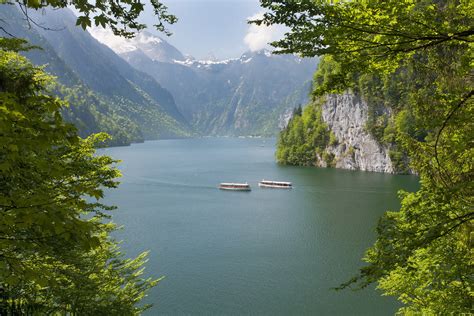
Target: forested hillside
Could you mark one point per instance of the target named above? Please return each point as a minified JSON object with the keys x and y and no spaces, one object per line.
{"x":341,"y":130}
{"x":104,"y":92}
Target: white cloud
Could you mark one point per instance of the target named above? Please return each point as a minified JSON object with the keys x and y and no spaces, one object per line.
{"x":116,"y":43}
{"x":120,"y":45}
{"x":258,"y":36}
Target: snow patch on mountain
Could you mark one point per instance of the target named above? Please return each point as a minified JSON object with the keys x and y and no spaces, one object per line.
{"x":204,"y":63}
{"x":244,"y":59}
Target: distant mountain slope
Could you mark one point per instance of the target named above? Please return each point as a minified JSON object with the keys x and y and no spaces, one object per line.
{"x":250,"y":95}
{"x":106,"y":93}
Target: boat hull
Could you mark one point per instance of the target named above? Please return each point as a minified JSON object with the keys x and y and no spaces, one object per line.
{"x":234,"y":186}
{"x":235,"y":189}
{"x":272,"y":186}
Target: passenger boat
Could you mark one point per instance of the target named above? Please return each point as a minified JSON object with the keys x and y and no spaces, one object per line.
{"x":275,"y":184}
{"x":235,"y":186}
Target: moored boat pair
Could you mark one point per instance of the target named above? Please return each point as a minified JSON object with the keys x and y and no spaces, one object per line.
{"x":262,"y":184}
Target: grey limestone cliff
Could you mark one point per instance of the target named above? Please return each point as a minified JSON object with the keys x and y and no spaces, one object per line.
{"x":356,"y":149}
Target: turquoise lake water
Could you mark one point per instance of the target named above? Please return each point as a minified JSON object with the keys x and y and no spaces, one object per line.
{"x":264,"y":252}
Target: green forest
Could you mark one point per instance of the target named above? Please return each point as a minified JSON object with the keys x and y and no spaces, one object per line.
{"x":305,"y":138}
{"x":57,"y":253}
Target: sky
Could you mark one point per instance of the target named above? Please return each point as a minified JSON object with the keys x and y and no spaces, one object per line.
{"x":215,"y":27}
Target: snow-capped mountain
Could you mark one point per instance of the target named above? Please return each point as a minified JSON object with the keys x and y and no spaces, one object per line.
{"x":240,"y":96}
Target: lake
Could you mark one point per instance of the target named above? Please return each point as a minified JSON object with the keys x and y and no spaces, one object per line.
{"x":264,"y":252}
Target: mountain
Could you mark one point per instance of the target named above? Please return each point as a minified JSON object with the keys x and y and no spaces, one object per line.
{"x":153,"y":46}
{"x":147,"y":89}
{"x":103,"y":89}
{"x":250,"y":95}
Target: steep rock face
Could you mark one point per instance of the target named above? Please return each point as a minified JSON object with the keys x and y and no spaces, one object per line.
{"x":356,"y":149}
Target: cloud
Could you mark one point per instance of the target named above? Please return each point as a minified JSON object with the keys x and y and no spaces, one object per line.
{"x":116,"y":43}
{"x":258,"y":37}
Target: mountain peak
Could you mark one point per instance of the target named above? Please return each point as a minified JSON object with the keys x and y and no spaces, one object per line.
{"x":151,"y":45}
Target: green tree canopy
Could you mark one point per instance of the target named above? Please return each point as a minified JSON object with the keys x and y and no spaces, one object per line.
{"x":421,"y":52}
{"x":121,"y":16}
{"x":56,"y":254}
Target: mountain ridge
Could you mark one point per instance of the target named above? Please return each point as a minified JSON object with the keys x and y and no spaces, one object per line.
{"x":105,"y":93}
{"x":249,"y":95}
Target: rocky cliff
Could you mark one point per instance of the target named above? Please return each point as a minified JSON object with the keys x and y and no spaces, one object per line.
{"x":354,"y":147}
{"x":338,"y":131}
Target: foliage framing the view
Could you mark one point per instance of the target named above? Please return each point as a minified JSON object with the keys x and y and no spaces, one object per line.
{"x":120,"y":16}
{"x":56,"y":255}
{"x":423,"y":253}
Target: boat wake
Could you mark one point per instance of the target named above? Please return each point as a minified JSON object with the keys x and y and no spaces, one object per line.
{"x":148,"y":181}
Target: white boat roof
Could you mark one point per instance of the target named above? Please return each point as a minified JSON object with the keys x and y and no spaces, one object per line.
{"x":234,"y":184}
